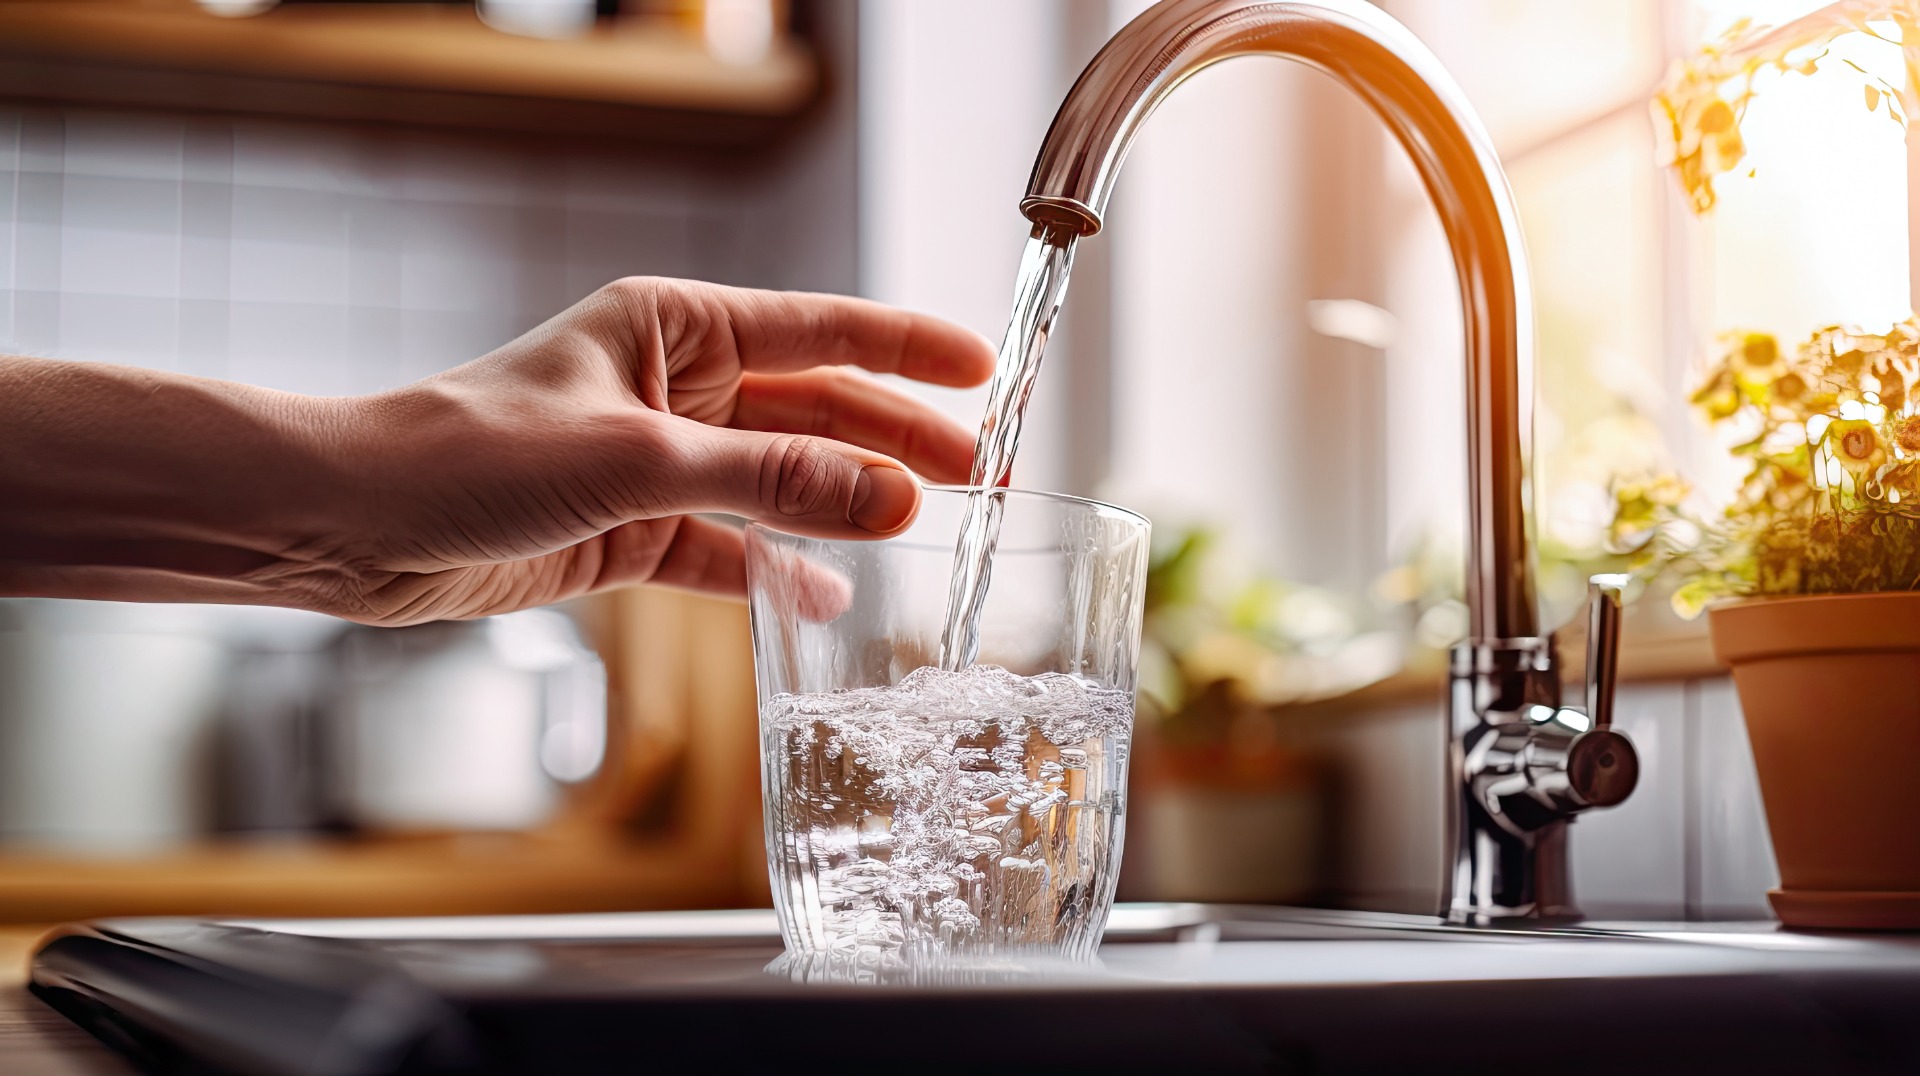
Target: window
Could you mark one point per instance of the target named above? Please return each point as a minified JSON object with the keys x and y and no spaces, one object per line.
{"x":1327,"y":441}
{"x":1629,"y":287}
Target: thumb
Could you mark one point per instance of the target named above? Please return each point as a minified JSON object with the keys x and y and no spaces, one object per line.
{"x":809,"y":485}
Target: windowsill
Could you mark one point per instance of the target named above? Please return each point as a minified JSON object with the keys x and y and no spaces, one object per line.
{"x":1671,"y":651}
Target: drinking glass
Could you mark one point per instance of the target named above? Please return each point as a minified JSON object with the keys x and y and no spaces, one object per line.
{"x":912,"y":812}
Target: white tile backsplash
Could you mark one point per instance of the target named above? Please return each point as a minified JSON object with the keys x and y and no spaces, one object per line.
{"x":9,"y":142}
{"x":42,"y":142}
{"x":374,"y":340}
{"x":600,"y":183}
{"x":1735,"y":855}
{"x":98,"y":261}
{"x":1630,"y":861}
{"x":602,"y":246}
{"x":8,"y":182}
{"x":131,"y":329}
{"x":334,"y":260}
{"x":432,"y":340}
{"x":206,"y":268}
{"x":309,"y":158}
{"x":438,"y":170}
{"x":266,"y":271}
{"x":36,"y":231}
{"x":205,"y":327}
{"x":120,"y":146}
{"x":1388,"y":815}
{"x":206,"y":151}
{"x":296,"y":347}
{"x":458,"y":256}
{"x":36,"y":322}
{"x":121,"y":204}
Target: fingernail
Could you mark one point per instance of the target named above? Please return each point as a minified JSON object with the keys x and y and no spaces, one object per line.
{"x":883,"y":499}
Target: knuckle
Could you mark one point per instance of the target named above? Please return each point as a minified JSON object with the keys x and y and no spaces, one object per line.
{"x":633,"y":288}
{"x":633,"y":300}
{"x":801,"y":477}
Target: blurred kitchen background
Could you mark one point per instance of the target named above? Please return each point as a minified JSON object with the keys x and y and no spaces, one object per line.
{"x":1262,"y":352}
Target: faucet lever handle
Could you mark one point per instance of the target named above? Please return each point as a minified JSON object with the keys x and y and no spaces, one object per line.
{"x":1605,"y":596}
{"x":1602,"y":766}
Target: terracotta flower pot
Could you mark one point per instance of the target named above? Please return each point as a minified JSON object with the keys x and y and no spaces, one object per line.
{"x":1831,"y":690}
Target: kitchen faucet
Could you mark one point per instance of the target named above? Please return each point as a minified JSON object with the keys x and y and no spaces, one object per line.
{"x":1522,"y":764}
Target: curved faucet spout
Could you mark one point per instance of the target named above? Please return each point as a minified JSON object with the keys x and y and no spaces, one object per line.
{"x":1364,"y":49}
{"x":1522,"y":765}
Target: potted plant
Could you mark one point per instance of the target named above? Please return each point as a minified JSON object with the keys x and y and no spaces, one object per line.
{"x":1810,"y":580}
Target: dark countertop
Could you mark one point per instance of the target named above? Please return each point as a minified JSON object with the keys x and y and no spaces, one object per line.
{"x":35,"y":1040}
{"x":1179,"y":987}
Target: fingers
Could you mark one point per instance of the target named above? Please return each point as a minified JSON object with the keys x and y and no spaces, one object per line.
{"x":711,"y":558}
{"x":699,"y":555}
{"x":692,"y":554}
{"x":795,"y":583}
{"x":781,"y":332}
{"x":808,"y":485}
{"x":784,"y":331}
{"x":845,"y":406}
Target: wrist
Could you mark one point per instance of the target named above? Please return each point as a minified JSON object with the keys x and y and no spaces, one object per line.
{"x":117,"y":482}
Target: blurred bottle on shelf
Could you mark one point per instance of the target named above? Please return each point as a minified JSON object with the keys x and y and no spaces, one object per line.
{"x":237,"y":8}
{"x":739,"y":32}
{"x":539,"y":18}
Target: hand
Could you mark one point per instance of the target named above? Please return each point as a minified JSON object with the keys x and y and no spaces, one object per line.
{"x":564,"y":463}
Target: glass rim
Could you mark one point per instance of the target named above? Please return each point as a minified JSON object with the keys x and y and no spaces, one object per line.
{"x":1098,"y":507}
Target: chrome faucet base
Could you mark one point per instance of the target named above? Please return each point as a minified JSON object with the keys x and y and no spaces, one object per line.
{"x":1525,"y":766}
{"x":1511,"y":879}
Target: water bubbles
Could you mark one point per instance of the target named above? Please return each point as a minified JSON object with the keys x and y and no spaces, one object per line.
{"x":953,"y":811}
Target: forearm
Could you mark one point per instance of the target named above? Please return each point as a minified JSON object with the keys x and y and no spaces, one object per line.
{"x":150,"y":486}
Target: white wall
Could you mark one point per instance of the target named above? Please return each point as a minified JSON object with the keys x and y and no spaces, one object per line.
{"x":1191,"y":398}
{"x":954,"y":100}
{"x":1208,"y":306}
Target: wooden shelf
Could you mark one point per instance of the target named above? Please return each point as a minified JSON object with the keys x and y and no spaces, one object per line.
{"x":444,"y":876}
{"x":430,"y":64}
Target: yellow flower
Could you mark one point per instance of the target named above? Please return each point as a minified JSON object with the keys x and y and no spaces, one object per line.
{"x":1759,"y":351}
{"x":1906,"y":433}
{"x":1789,"y":387}
{"x":1900,"y":480}
{"x":1641,"y":507}
{"x":1856,"y":443}
{"x":1850,"y":361}
{"x":1718,"y":398}
{"x":1701,"y":133}
{"x":1893,"y":390}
